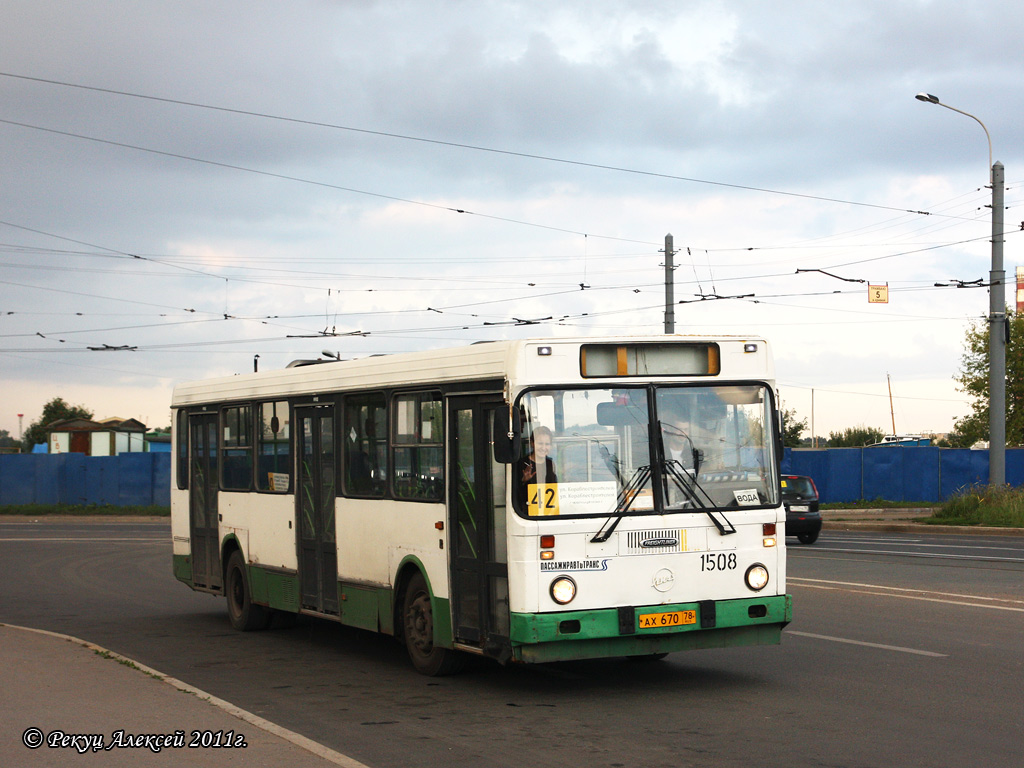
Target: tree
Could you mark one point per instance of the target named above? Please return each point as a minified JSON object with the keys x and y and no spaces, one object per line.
{"x":6,"y":441}
{"x":855,"y":437}
{"x":55,"y":410}
{"x":973,"y":380}
{"x":792,"y":429}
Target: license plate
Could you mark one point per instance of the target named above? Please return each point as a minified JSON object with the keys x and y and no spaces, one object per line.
{"x":671,"y":619}
{"x":800,"y":508}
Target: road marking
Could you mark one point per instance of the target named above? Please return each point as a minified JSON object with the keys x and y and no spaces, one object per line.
{"x":934,"y":556}
{"x":913,"y":594}
{"x":917,"y":543}
{"x":79,"y":539}
{"x":868,"y":645}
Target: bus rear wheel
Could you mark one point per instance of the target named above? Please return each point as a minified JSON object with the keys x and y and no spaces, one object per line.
{"x":244,"y":614}
{"x":418,"y":631}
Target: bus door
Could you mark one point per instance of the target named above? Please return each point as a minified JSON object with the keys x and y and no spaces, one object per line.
{"x":476,"y":524}
{"x":314,"y":509}
{"x":204,"y":530}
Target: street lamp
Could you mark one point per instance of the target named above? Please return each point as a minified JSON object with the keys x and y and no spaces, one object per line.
{"x":997,"y":316}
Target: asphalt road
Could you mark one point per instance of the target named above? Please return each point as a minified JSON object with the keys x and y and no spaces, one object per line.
{"x":905,"y":650}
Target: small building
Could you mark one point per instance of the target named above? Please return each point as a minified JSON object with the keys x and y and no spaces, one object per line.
{"x":158,"y":442}
{"x":109,"y":437}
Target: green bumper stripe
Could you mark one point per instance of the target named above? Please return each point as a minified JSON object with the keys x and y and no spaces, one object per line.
{"x":576,"y":626}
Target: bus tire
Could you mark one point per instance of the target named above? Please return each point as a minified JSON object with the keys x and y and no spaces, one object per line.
{"x":418,"y":632}
{"x":244,"y":614}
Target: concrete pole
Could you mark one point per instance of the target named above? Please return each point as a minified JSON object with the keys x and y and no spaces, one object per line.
{"x":670,"y":299}
{"x":997,"y":340}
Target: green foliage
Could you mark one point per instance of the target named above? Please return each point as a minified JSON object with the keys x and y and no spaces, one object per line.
{"x":55,"y":410}
{"x":6,"y":441}
{"x":792,"y":429}
{"x":973,"y":381}
{"x":991,"y":505}
{"x":83,"y":510}
{"x":877,"y":503}
{"x":855,"y":437}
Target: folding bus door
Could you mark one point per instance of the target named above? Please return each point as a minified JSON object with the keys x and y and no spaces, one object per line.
{"x":476,"y":520}
{"x":204,"y":530}
{"x":314,"y":509}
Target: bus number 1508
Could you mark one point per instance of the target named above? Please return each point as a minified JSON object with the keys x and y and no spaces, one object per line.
{"x":718,"y":561}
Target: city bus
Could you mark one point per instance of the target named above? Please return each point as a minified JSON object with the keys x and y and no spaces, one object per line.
{"x":528,"y":501}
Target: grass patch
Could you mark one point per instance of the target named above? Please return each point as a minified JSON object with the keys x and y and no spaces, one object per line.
{"x":992,"y":506}
{"x":878,"y":504}
{"x":83,"y":510}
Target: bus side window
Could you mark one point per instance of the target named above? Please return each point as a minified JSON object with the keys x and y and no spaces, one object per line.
{"x":236,"y":448}
{"x":273,"y":448}
{"x":366,"y":435}
{"x":181,"y":449}
{"x":417,"y":447}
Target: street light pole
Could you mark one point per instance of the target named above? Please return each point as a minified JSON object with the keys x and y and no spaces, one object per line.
{"x":996,"y":316}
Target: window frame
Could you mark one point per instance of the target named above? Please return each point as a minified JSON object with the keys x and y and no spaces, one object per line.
{"x":258,"y":442}
{"x":225,"y":448}
{"x":417,"y":447}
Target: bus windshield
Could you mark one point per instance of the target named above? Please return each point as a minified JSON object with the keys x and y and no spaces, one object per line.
{"x":645,"y":450}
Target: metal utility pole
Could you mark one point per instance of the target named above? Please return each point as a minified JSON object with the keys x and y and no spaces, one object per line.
{"x":997,"y":340}
{"x":670,"y":298}
{"x":996,"y":316}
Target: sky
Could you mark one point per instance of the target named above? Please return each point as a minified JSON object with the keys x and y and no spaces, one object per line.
{"x":187,"y":186}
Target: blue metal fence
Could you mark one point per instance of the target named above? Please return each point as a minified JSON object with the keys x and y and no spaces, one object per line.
{"x":131,"y":479}
{"x":841,"y":474}
{"x":896,"y":473}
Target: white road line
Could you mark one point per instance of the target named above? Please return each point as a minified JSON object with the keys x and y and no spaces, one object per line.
{"x":934,"y":556}
{"x":79,"y":539}
{"x":977,"y":601}
{"x":868,"y":645}
{"x":921,"y":543}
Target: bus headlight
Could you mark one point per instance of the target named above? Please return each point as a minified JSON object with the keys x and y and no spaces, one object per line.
{"x":563,"y":590}
{"x":757,"y":577}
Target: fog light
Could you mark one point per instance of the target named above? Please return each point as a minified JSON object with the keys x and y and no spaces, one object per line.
{"x":547,"y":554}
{"x":769,"y":542}
{"x":563,"y":590}
{"x":757,"y":577}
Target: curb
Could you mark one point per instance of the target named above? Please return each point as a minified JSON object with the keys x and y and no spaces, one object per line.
{"x":319,"y":750}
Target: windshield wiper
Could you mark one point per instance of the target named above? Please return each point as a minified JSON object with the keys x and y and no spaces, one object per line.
{"x":626,"y":497}
{"x":688,"y":484}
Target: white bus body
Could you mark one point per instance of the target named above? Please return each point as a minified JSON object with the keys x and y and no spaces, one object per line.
{"x":399,"y":494}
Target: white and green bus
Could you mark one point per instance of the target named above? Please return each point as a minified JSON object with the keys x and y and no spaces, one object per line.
{"x":528,"y":501}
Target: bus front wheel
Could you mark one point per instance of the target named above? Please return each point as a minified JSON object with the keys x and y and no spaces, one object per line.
{"x":418,"y":630}
{"x":244,"y":614}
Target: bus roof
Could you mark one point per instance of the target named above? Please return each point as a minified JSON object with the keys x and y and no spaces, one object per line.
{"x":497,"y":360}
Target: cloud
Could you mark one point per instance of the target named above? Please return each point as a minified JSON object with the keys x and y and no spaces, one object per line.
{"x":344,"y":215}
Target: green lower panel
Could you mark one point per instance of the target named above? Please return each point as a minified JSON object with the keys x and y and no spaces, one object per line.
{"x":360,"y":606}
{"x":273,"y":588}
{"x":183,"y":568}
{"x":614,"y":632}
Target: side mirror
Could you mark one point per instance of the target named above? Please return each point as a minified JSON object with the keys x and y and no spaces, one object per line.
{"x":619,"y":415}
{"x":507,"y":437}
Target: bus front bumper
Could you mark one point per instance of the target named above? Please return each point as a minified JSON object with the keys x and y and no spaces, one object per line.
{"x":602,"y":633}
